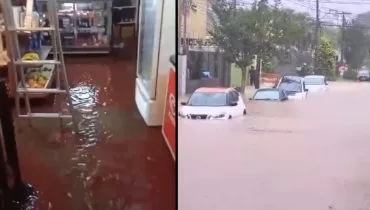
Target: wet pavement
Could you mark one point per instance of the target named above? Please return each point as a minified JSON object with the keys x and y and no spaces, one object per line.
{"x":306,"y":155}
{"x":112,"y":161}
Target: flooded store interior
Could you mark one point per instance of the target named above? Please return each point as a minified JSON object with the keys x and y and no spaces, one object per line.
{"x":111,"y":154}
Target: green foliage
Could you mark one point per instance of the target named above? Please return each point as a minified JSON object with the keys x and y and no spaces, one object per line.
{"x":357,"y":40}
{"x":267,"y":63}
{"x":357,"y":45}
{"x":350,"y":75}
{"x":262,"y":30}
{"x":325,"y":58}
{"x":333,"y":34}
{"x":293,"y":28}
{"x":237,"y":34}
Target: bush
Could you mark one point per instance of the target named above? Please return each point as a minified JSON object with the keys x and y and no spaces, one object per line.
{"x":350,"y":75}
{"x":332,"y":78}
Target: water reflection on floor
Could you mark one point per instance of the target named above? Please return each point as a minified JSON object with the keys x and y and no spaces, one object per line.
{"x":110,"y":159}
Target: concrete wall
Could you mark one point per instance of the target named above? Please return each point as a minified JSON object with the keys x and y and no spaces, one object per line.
{"x":196,"y":20}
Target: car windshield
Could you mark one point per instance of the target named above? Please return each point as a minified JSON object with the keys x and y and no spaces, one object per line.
{"x":208,"y":99}
{"x":314,"y":81}
{"x":267,"y":95}
{"x":291,"y":86}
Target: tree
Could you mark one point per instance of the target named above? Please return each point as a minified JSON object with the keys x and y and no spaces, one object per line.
{"x":357,"y":43}
{"x":235,"y":35}
{"x":265,"y":32}
{"x":261,"y":30}
{"x":325,"y":58}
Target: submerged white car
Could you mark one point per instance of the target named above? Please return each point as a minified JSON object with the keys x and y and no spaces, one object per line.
{"x":213,"y":103}
{"x":293,"y":86}
{"x":316,"y":83}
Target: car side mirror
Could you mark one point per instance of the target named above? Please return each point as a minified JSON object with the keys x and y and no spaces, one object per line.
{"x":183,"y":103}
{"x":250,"y":99}
{"x":305,"y":90}
{"x":234,"y":103}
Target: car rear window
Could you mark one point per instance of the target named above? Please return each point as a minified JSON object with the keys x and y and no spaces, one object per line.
{"x":267,"y":95}
{"x":290,"y":86}
{"x":314,"y":81}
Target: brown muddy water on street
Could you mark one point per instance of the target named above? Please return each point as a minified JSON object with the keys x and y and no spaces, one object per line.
{"x":113,"y":161}
{"x":306,"y":155}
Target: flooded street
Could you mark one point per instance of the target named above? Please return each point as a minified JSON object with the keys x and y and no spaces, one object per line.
{"x":306,"y":155}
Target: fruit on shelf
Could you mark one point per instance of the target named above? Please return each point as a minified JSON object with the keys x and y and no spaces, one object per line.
{"x":31,"y":56}
{"x":37,"y":80}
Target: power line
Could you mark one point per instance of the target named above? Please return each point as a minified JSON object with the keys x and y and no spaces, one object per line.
{"x":344,"y":3}
{"x":309,"y":6}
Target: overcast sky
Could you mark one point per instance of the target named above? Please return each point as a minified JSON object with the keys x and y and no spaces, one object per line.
{"x":352,"y":6}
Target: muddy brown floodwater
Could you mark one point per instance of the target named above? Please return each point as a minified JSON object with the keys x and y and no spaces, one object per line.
{"x":112,"y":160}
{"x":306,"y":155}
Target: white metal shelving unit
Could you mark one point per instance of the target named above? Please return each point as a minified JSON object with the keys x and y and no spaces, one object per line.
{"x":20,"y":66}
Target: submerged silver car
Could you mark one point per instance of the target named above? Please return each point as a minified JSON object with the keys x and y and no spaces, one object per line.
{"x":363,"y":75}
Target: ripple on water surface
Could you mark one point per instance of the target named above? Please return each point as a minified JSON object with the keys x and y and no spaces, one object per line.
{"x":92,"y":182}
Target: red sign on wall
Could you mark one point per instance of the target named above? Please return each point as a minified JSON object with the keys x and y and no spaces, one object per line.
{"x":169,"y":121}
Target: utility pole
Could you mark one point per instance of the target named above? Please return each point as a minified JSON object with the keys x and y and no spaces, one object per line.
{"x":185,"y":35}
{"x":317,"y":33}
{"x":179,"y":32}
{"x":343,"y":36}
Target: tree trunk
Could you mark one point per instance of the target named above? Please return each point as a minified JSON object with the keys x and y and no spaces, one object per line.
{"x":257,"y":75}
{"x":244,"y":80}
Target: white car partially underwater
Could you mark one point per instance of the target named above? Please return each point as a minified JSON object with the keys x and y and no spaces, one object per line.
{"x":315,"y":83}
{"x":213,"y":103}
{"x":294,"y":87}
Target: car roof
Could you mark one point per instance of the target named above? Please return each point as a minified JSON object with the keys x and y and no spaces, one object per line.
{"x":364,"y":70}
{"x":268,"y":89}
{"x":314,"y":76}
{"x":291,"y":74}
{"x":213,"y":90}
{"x":294,"y":78}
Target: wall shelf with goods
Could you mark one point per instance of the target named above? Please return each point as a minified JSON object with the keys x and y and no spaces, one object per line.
{"x":125,"y":21}
{"x":85,"y":26}
{"x":33,"y":47}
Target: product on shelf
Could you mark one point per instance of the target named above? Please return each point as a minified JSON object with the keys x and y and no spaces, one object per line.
{"x":31,"y":56}
{"x":84,"y":26}
{"x":36,"y":80}
{"x":4,"y":59}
